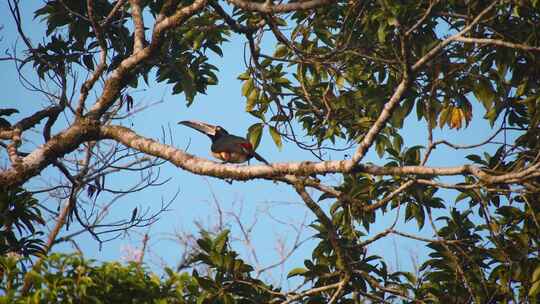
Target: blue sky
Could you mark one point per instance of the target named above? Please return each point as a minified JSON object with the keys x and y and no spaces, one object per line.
{"x":223,"y":105}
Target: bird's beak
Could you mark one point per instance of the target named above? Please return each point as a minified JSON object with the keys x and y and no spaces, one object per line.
{"x":202,"y":127}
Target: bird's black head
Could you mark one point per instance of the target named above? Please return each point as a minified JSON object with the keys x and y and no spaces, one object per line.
{"x":218,"y":133}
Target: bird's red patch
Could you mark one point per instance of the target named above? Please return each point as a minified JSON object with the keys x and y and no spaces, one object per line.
{"x":247,"y":146}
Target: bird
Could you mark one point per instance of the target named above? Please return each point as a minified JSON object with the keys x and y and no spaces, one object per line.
{"x":226,"y":147}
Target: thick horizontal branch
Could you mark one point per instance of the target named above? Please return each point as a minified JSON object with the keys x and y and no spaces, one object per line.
{"x":84,"y":130}
{"x":202,"y":166}
{"x":269,"y":8}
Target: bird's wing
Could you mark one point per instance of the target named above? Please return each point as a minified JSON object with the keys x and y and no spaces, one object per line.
{"x":236,"y":144}
{"x":231,"y":143}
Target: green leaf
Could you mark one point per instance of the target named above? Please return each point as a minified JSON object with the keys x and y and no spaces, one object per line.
{"x":276,"y":137}
{"x":484,"y":92}
{"x":325,"y":36}
{"x":282,"y":80}
{"x":281,"y":51}
{"x":536,"y":275}
{"x":244,"y":76}
{"x":254,"y":134}
{"x":8,"y":111}
{"x":461,"y":196}
{"x":492,"y":115}
{"x":522,"y":88}
{"x":221,"y":240}
{"x":88,"y":61}
{"x":381,"y":32}
{"x":380,"y":146}
{"x":279,"y":117}
{"x":535,"y":289}
{"x":296,"y":272}
{"x":4,"y":123}
{"x":216,"y":49}
{"x":397,"y":142}
{"x":475,"y":158}
{"x":392,"y":21}
{"x":420,"y":217}
{"x":228,"y":299}
{"x":198,"y":41}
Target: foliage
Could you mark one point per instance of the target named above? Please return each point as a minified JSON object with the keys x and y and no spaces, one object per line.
{"x":72,"y":279}
{"x":20,"y":219}
{"x":340,"y":72}
{"x":181,"y":60}
{"x":227,"y":279}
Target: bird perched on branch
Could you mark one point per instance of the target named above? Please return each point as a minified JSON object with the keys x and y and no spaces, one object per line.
{"x":226,"y":147}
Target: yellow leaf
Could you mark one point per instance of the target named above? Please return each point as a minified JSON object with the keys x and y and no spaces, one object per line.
{"x":251,"y":100}
{"x":455,"y":119}
{"x":247,"y":87}
{"x":536,"y":275}
{"x":340,"y":81}
{"x":443,"y":117}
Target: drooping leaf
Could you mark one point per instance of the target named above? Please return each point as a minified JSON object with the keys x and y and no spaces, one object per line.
{"x":254,"y":134}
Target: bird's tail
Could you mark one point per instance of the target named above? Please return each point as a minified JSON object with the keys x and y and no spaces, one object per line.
{"x":260,"y":158}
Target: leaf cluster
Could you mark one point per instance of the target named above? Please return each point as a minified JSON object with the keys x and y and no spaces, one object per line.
{"x":21,"y":223}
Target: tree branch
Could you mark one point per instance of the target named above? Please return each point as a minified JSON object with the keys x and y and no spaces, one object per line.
{"x":379,"y":124}
{"x":342,"y":259}
{"x":313,"y":291}
{"x":112,"y":13}
{"x":69,"y":139}
{"x":269,"y":8}
{"x":434,"y":51}
{"x":30,"y":121}
{"x":424,"y":17}
{"x":60,"y":222}
{"x":59,"y":145}
{"x":139,"y":25}
{"x":390,"y":196}
{"x":88,"y":84}
{"x":235,"y":26}
{"x":497,"y":42}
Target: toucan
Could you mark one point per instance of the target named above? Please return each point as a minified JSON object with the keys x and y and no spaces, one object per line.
{"x":226,"y":147}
